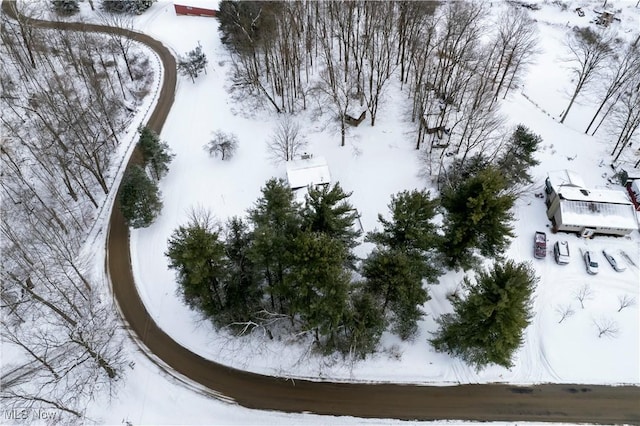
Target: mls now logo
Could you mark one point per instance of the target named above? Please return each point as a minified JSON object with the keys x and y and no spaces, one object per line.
{"x":20,"y":414}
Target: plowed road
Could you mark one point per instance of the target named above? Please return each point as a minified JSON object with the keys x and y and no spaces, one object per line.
{"x":547,"y":403}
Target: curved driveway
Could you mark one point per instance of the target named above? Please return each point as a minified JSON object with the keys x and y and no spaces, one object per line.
{"x":490,"y":402}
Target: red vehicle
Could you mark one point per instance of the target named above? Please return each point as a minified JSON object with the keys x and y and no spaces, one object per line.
{"x":540,"y":245}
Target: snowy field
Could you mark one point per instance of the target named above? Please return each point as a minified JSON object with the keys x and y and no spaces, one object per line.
{"x":375,"y":163}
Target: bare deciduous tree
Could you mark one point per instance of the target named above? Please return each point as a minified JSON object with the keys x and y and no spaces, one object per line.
{"x":518,"y":41}
{"x":59,"y":123}
{"x":286,"y":142}
{"x":564,"y":311}
{"x":379,"y":38}
{"x":223,"y":144}
{"x":625,"y":301}
{"x":621,"y":71}
{"x":606,"y":327}
{"x":583,"y":294}
{"x":589,"y":50}
{"x":625,"y":122}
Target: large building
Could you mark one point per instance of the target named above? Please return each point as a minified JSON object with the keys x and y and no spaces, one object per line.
{"x":573,"y":208}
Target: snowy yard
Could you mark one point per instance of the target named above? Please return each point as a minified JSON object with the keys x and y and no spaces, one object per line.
{"x":376,"y":163}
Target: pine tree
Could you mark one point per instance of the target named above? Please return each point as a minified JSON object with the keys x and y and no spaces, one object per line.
{"x":139,"y":198}
{"x":197,"y":254}
{"x":66,"y":7}
{"x":394,"y":277}
{"x":320,"y":284}
{"x":460,"y":171}
{"x":140,"y":6}
{"x":477,"y":216}
{"x":487,"y":326}
{"x":411,"y":226}
{"x":276,"y":223}
{"x":363,"y":323}
{"x":115,"y":6}
{"x":126,"y":6}
{"x":241,"y":284}
{"x":517,"y":158}
{"x":327,"y":211}
{"x":156,"y":153}
{"x":194,"y":63}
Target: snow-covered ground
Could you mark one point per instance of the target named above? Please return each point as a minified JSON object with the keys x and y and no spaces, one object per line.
{"x":376,"y":163}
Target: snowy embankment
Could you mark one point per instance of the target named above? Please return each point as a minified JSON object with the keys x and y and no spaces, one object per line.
{"x":376,"y":163}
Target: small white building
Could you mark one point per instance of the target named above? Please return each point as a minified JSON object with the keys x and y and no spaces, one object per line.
{"x":573,"y":208}
{"x":308,"y":171}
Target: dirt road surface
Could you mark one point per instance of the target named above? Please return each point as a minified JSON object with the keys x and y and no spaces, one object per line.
{"x":569,"y":403}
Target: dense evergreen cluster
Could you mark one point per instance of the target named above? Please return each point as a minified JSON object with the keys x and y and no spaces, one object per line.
{"x":126,"y":6}
{"x":139,"y":195}
{"x":288,"y":267}
{"x":66,"y":7}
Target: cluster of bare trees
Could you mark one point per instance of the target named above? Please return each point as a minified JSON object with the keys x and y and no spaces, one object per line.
{"x":62,"y":109}
{"x":455,"y":60}
{"x":598,"y":58}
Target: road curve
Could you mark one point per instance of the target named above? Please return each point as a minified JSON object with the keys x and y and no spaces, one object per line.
{"x":568,"y":403}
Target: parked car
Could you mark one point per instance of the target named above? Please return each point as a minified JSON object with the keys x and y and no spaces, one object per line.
{"x":540,"y":245}
{"x":592,"y":265}
{"x":561,"y":252}
{"x":614,"y":261}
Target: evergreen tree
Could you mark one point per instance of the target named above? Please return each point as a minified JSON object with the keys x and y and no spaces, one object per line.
{"x":241,"y":287}
{"x":276,"y":223}
{"x":139,"y":198}
{"x":517,"y":158}
{"x":488,"y":325}
{"x":394,"y":277}
{"x":126,"y":6}
{"x":197,"y":254}
{"x":115,"y":6}
{"x":194,"y":63}
{"x":156,"y":153}
{"x":327,"y":211}
{"x":363,"y":324}
{"x":140,"y":6}
{"x":477,"y":216}
{"x":460,"y":170}
{"x":411,"y":227}
{"x":320,"y":285}
{"x":66,"y":7}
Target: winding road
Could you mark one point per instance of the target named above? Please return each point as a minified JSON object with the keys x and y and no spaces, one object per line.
{"x":568,"y":403}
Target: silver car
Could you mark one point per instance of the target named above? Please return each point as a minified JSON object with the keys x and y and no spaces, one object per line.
{"x":592,"y":265}
{"x":615,"y":262}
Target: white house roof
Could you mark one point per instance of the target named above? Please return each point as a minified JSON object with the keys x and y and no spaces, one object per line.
{"x":594,"y":195}
{"x":565,"y":177}
{"x":590,"y":214}
{"x":310,"y":171}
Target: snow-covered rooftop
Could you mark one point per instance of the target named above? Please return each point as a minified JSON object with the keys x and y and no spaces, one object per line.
{"x":565,"y":177}
{"x":593,"y":215}
{"x":594,"y":195}
{"x":308,"y":171}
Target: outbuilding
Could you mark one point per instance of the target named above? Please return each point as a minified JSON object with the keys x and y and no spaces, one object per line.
{"x":194,"y":11}
{"x":309,"y":171}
